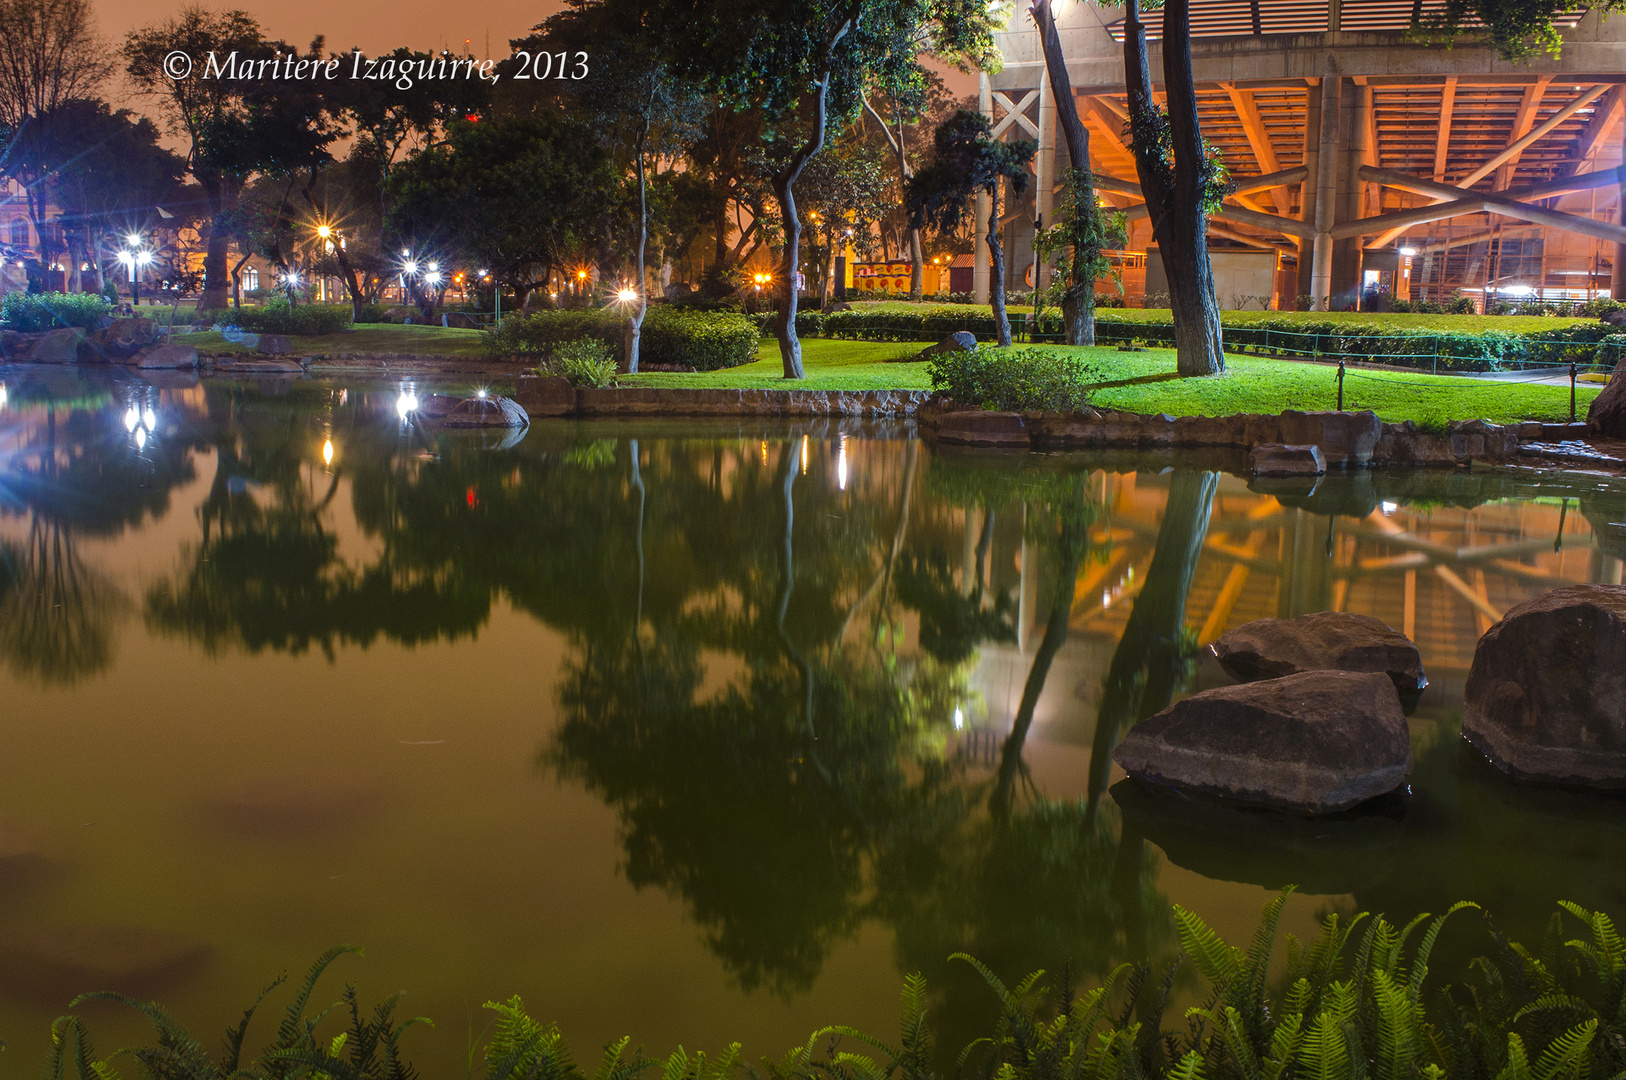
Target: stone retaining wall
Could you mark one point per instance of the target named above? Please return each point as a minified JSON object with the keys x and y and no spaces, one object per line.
{"x":1345,"y":439}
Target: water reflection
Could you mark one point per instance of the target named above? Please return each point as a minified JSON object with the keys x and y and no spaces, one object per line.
{"x":828,"y":681}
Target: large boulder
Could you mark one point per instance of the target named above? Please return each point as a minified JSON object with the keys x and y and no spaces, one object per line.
{"x":1275,"y":459}
{"x":550,"y":395}
{"x":491,"y":410}
{"x":1546,"y":696}
{"x":1346,"y":439}
{"x":167,"y":357}
{"x":58,"y":347}
{"x":274,"y":345}
{"x":1324,"y":641}
{"x":1315,"y":743}
{"x":130,"y":334}
{"x":460,"y":320}
{"x":977,"y":428}
{"x":1606,"y":416}
{"x":959,"y":341}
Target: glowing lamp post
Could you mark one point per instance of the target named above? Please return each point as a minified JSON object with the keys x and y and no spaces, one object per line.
{"x":135,"y":258}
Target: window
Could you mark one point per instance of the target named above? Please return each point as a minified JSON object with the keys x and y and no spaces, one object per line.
{"x":251,"y":279}
{"x":19,"y":232}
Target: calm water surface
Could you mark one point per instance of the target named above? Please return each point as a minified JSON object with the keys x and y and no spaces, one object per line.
{"x":698,"y":732}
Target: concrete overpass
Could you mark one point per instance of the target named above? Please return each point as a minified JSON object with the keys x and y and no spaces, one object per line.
{"x":1500,"y":179}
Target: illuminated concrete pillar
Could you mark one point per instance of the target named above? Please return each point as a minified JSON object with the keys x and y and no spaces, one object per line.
{"x":1326,"y":194}
{"x":979,"y":249}
{"x":1044,"y":165}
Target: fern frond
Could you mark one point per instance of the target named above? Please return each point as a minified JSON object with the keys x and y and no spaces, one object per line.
{"x":1216,"y":961}
{"x":1566,"y":1056}
{"x":1189,"y":1067}
{"x":1425,"y":948}
{"x":294,"y":1026}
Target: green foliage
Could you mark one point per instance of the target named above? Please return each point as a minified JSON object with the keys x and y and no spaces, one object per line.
{"x":585,"y":362}
{"x":967,"y":159}
{"x":368,"y":1049}
{"x":1019,"y":380}
{"x":1282,"y":334}
{"x":1348,"y":1005}
{"x":33,"y":312}
{"x":280,"y":317}
{"x":705,"y":341}
{"x":1611,"y":351}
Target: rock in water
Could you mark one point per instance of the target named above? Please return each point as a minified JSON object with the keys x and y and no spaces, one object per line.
{"x":489,"y":411}
{"x":166,"y":356}
{"x":1314,"y":743}
{"x":49,"y":961}
{"x":1274,"y":459}
{"x":1325,"y":641}
{"x":1546,"y":696}
{"x":58,"y":347}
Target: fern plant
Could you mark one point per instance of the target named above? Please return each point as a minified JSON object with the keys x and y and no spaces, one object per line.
{"x":368,"y":1050}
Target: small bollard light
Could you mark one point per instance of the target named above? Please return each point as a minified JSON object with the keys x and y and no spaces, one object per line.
{"x":1340,"y":386}
{"x":1572,"y":393}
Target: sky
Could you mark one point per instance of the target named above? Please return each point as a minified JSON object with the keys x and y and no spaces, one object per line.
{"x":374,"y":26}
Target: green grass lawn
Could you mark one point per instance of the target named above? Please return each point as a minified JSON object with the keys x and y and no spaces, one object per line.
{"x":830,"y":365}
{"x":1511,"y":324}
{"x":366,"y":338}
{"x":1251,"y":385}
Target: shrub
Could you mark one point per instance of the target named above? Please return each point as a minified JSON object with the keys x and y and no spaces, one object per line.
{"x":541,"y":333}
{"x":1611,"y":351}
{"x":33,"y":312}
{"x":374,"y":313}
{"x":705,"y":341}
{"x":585,"y":362}
{"x":280,"y":317}
{"x":1014,"y":380}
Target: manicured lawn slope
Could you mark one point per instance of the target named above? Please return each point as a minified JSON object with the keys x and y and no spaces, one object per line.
{"x":1252,"y":385}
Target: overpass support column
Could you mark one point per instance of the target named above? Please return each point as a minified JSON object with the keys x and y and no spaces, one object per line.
{"x":1355,"y":124}
{"x":1312,"y":150}
{"x":980,"y":260}
{"x":1326,"y":194}
{"x":1617,"y":273}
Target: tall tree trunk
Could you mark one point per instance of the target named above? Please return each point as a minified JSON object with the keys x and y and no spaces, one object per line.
{"x":996,"y":256}
{"x":352,"y":286}
{"x":635,"y":324}
{"x":1191,"y":299}
{"x":216,"y":254}
{"x":1199,"y":348}
{"x":784,"y":186}
{"x":1148,"y":662}
{"x":1078,"y":302}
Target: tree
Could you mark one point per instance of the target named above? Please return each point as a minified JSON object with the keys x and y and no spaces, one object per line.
{"x":809,"y":60}
{"x":1183,"y":181}
{"x":516,"y":194}
{"x":1518,"y":29}
{"x":49,"y":54}
{"x":1080,"y":224}
{"x":842,"y":193}
{"x":968,"y":160}
{"x":106,"y":172}
{"x":236,"y":127}
{"x":638,"y":97}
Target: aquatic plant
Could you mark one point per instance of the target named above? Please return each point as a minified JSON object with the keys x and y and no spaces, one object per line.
{"x":1348,"y":1005}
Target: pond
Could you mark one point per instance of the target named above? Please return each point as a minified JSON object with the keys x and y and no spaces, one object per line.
{"x":697,"y":732}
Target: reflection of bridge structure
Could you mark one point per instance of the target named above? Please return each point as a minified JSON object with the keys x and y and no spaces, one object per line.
{"x":1441,"y":575}
{"x":1497,"y":178}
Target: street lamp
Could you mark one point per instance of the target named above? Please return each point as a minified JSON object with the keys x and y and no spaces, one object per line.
{"x":135,"y":258}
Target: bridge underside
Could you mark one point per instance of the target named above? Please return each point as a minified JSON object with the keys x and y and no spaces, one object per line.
{"x":1447,"y":169}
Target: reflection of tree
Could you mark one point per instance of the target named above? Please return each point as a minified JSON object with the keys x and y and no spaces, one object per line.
{"x":56,"y":616}
{"x":73,"y":477}
{"x":1153,"y":657}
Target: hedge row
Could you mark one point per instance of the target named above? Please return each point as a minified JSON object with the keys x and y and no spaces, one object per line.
{"x":33,"y":312}
{"x":703,"y":340}
{"x":1444,"y":350}
{"x":1015,"y":380}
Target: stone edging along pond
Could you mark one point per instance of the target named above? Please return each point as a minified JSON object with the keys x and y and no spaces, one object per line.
{"x":1345,"y":439}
